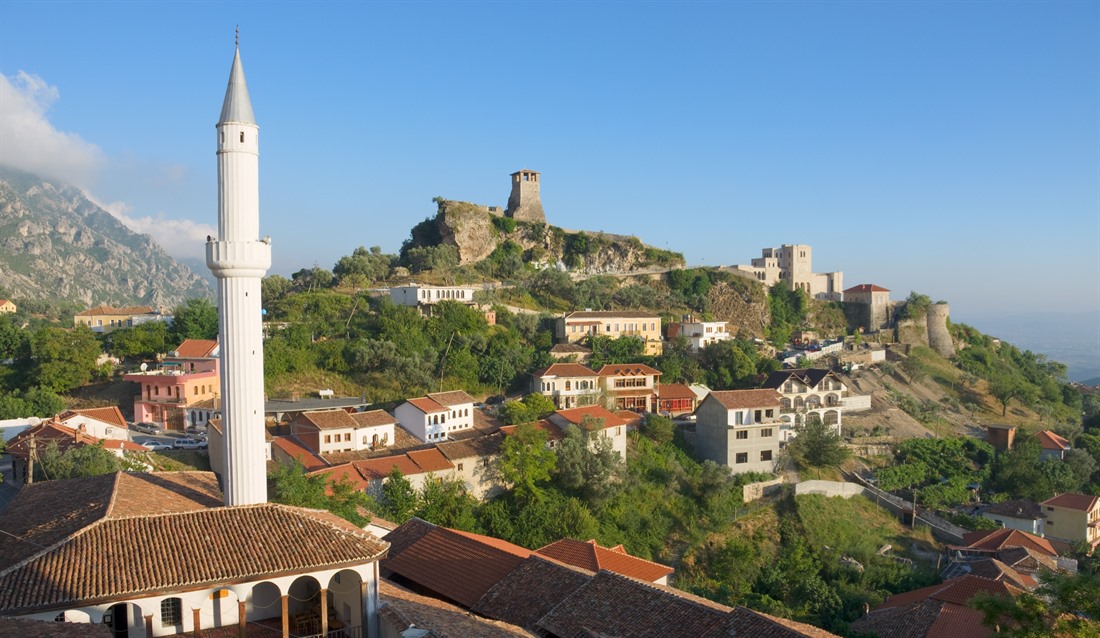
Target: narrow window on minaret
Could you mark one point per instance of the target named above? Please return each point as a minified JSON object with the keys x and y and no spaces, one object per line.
{"x":223,"y":137}
{"x":242,"y":136}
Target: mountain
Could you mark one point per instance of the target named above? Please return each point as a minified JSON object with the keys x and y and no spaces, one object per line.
{"x":56,"y":244}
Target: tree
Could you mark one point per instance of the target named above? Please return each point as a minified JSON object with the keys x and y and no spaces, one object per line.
{"x":63,"y":359}
{"x":36,"y":401}
{"x":292,"y":486}
{"x":659,"y":428}
{"x":196,"y":318}
{"x":14,"y":343}
{"x":446,"y":503}
{"x":1006,"y":386}
{"x":76,"y":462}
{"x":587,"y":462}
{"x":143,"y":340}
{"x":1063,"y":605}
{"x":525,"y":461}
{"x":399,"y":499}
{"x":816,"y":445}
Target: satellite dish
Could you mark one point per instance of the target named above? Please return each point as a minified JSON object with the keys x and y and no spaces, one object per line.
{"x":144,"y":367}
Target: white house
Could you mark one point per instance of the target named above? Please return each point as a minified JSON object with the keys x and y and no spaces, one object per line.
{"x":568,"y":384}
{"x":810,"y":393}
{"x":160,"y":555}
{"x":699,"y":334}
{"x":1022,"y":514}
{"x":101,"y":423}
{"x":593,"y":417}
{"x":424,"y":297}
{"x":433,"y":417}
{"x":328,"y":431}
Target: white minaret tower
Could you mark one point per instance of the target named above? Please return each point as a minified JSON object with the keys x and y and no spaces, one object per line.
{"x":239,"y":259}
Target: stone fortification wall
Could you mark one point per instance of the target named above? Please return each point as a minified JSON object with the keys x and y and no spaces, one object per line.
{"x":912,"y":331}
{"x":755,"y":491}
{"x":939,"y":338}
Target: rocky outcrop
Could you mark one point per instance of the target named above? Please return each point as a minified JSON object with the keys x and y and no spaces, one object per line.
{"x":57,"y":244}
{"x":476,"y":231}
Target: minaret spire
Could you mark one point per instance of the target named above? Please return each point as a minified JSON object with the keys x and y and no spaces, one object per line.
{"x":239,"y":259}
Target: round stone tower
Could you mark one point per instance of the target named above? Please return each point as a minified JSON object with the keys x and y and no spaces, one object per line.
{"x":525,"y":203}
{"x":939,"y":338}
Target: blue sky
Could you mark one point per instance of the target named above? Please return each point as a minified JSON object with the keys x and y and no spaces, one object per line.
{"x":949,"y":148}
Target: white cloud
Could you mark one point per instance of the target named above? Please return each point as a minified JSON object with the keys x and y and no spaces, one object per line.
{"x":180,"y":238}
{"x":29,"y":141}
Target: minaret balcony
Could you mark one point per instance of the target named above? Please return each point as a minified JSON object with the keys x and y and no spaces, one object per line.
{"x":238,"y":258}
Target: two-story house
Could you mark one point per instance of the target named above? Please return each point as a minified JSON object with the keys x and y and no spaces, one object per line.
{"x":189,"y":375}
{"x":810,"y":393}
{"x":699,"y":334}
{"x":631,"y":386}
{"x":674,"y":399}
{"x":431,"y":418}
{"x":594,"y":418}
{"x":105,"y":318}
{"x":329,"y":431}
{"x":576,"y":326}
{"x":739,"y":429}
{"x":567,"y":384}
{"x":101,"y":423}
{"x":1073,"y":517}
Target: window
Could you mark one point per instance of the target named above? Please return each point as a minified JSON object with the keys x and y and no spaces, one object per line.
{"x":460,"y":467}
{"x":756,"y":415}
{"x":742,"y":434}
{"x":766,"y":432}
{"x":347,"y":436}
{"x":328,"y":438}
{"x":242,"y":136}
{"x":171,"y":612}
{"x":742,"y":457}
{"x":765,"y":455}
{"x":1050,"y":509}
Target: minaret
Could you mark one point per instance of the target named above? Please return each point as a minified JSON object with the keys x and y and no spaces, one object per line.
{"x":239,"y":259}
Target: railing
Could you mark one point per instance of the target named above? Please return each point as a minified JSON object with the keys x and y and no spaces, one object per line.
{"x":343,"y":632}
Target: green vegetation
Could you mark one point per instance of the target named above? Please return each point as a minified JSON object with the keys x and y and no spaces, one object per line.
{"x":816,"y":444}
{"x":79,"y":462}
{"x":788,"y":312}
{"x":1064,"y":605}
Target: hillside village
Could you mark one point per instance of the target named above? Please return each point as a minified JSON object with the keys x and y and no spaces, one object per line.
{"x":510,"y":429}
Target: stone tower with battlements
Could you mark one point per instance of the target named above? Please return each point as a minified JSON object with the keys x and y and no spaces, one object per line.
{"x":525,"y":203}
{"x":239,"y":258}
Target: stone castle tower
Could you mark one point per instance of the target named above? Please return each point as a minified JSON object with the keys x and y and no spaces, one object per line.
{"x":939,"y":337}
{"x":239,"y":259}
{"x":525,"y":203}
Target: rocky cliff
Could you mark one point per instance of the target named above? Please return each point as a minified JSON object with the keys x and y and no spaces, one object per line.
{"x":476,"y":231}
{"x":57,"y":244}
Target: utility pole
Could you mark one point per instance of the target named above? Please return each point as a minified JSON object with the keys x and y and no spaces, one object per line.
{"x":30,"y":461}
{"x":913,"y":522}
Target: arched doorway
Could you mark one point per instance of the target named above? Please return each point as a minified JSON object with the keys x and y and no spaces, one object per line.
{"x":346,"y":599}
{"x":221,"y":609}
{"x":304,"y":606}
{"x":124,"y":620}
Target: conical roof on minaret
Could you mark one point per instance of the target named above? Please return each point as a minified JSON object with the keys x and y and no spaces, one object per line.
{"x":237,"y":107}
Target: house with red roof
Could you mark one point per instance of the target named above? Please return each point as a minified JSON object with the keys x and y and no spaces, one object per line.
{"x":189,"y":375}
{"x":101,"y":423}
{"x":104,"y":318}
{"x":330,"y":431}
{"x":674,"y":399}
{"x":1052,"y":445}
{"x":433,"y":417}
{"x":1021,"y":514}
{"x":812,"y":393}
{"x":370,"y":475}
{"x":577,"y":326}
{"x":7,"y":306}
{"x":631,"y":386}
{"x":739,"y":429}
{"x":874,"y":305}
{"x":598,"y":421}
{"x":567,"y":384}
{"x":591,"y":556}
{"x":939,"y":611}
{"x":1073,"y":517}
{"x":34,"y":440}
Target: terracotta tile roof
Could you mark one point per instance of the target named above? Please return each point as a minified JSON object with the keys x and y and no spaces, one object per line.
{"x":324,"y":420}
{"x":939,"y":611}
{"x":565,"y":370}
{"x":866,"y":288}
{"x":46,"y":433}
{"x":343,"y":473}
{"x":1070,"y":500}
{"x":459,"y":567}
{"x":403,"y":609}
{"x":430,"y":460}
{"x":196,"y":348}
{"x":426,"y":405}
{"x":1019,"y":508}
{"x":1005,"y":538}
{"x":553,"y":431}
{"x":1026,"y":560}
{"x":109,"y":519}
{"x":628,"y":370}
{"x":122,"y":445}
{"x":295,"y":450}
{"x":380,"y":468}
{"x":373,"y":418}
{"x":591,"y":556}
{"x":747,"y":622}
{"x":576,"y":415}
{"x":630,"y":418}
{"x":111,"y":310}
{"x":406,"y":534}
{"x":111,"y":415}
{"x":994,"y":569}
{"x":1051,"y":441}
{"x":809,"y":376}
{"x":28,"y":628}
{"x":530,"y":591}
{"x":745,"y":399}
{"x":610,"y":314}
{"x":480,"y":446}
{"x":674,"y":391}
{"x":451,"y":399}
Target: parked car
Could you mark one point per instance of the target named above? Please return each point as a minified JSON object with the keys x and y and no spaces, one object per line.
{"x":148,"y":428}
{"x":188,"y":444}
{"x":156,"y":446}
{"x":195,"y":430}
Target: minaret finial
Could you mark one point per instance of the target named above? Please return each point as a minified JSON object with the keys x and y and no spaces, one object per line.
{"x":237,"y":43}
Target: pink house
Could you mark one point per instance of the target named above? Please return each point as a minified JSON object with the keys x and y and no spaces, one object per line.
{"x":190,"y":374}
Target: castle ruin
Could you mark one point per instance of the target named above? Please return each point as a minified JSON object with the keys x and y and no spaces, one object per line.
{"x":525,"y":203}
